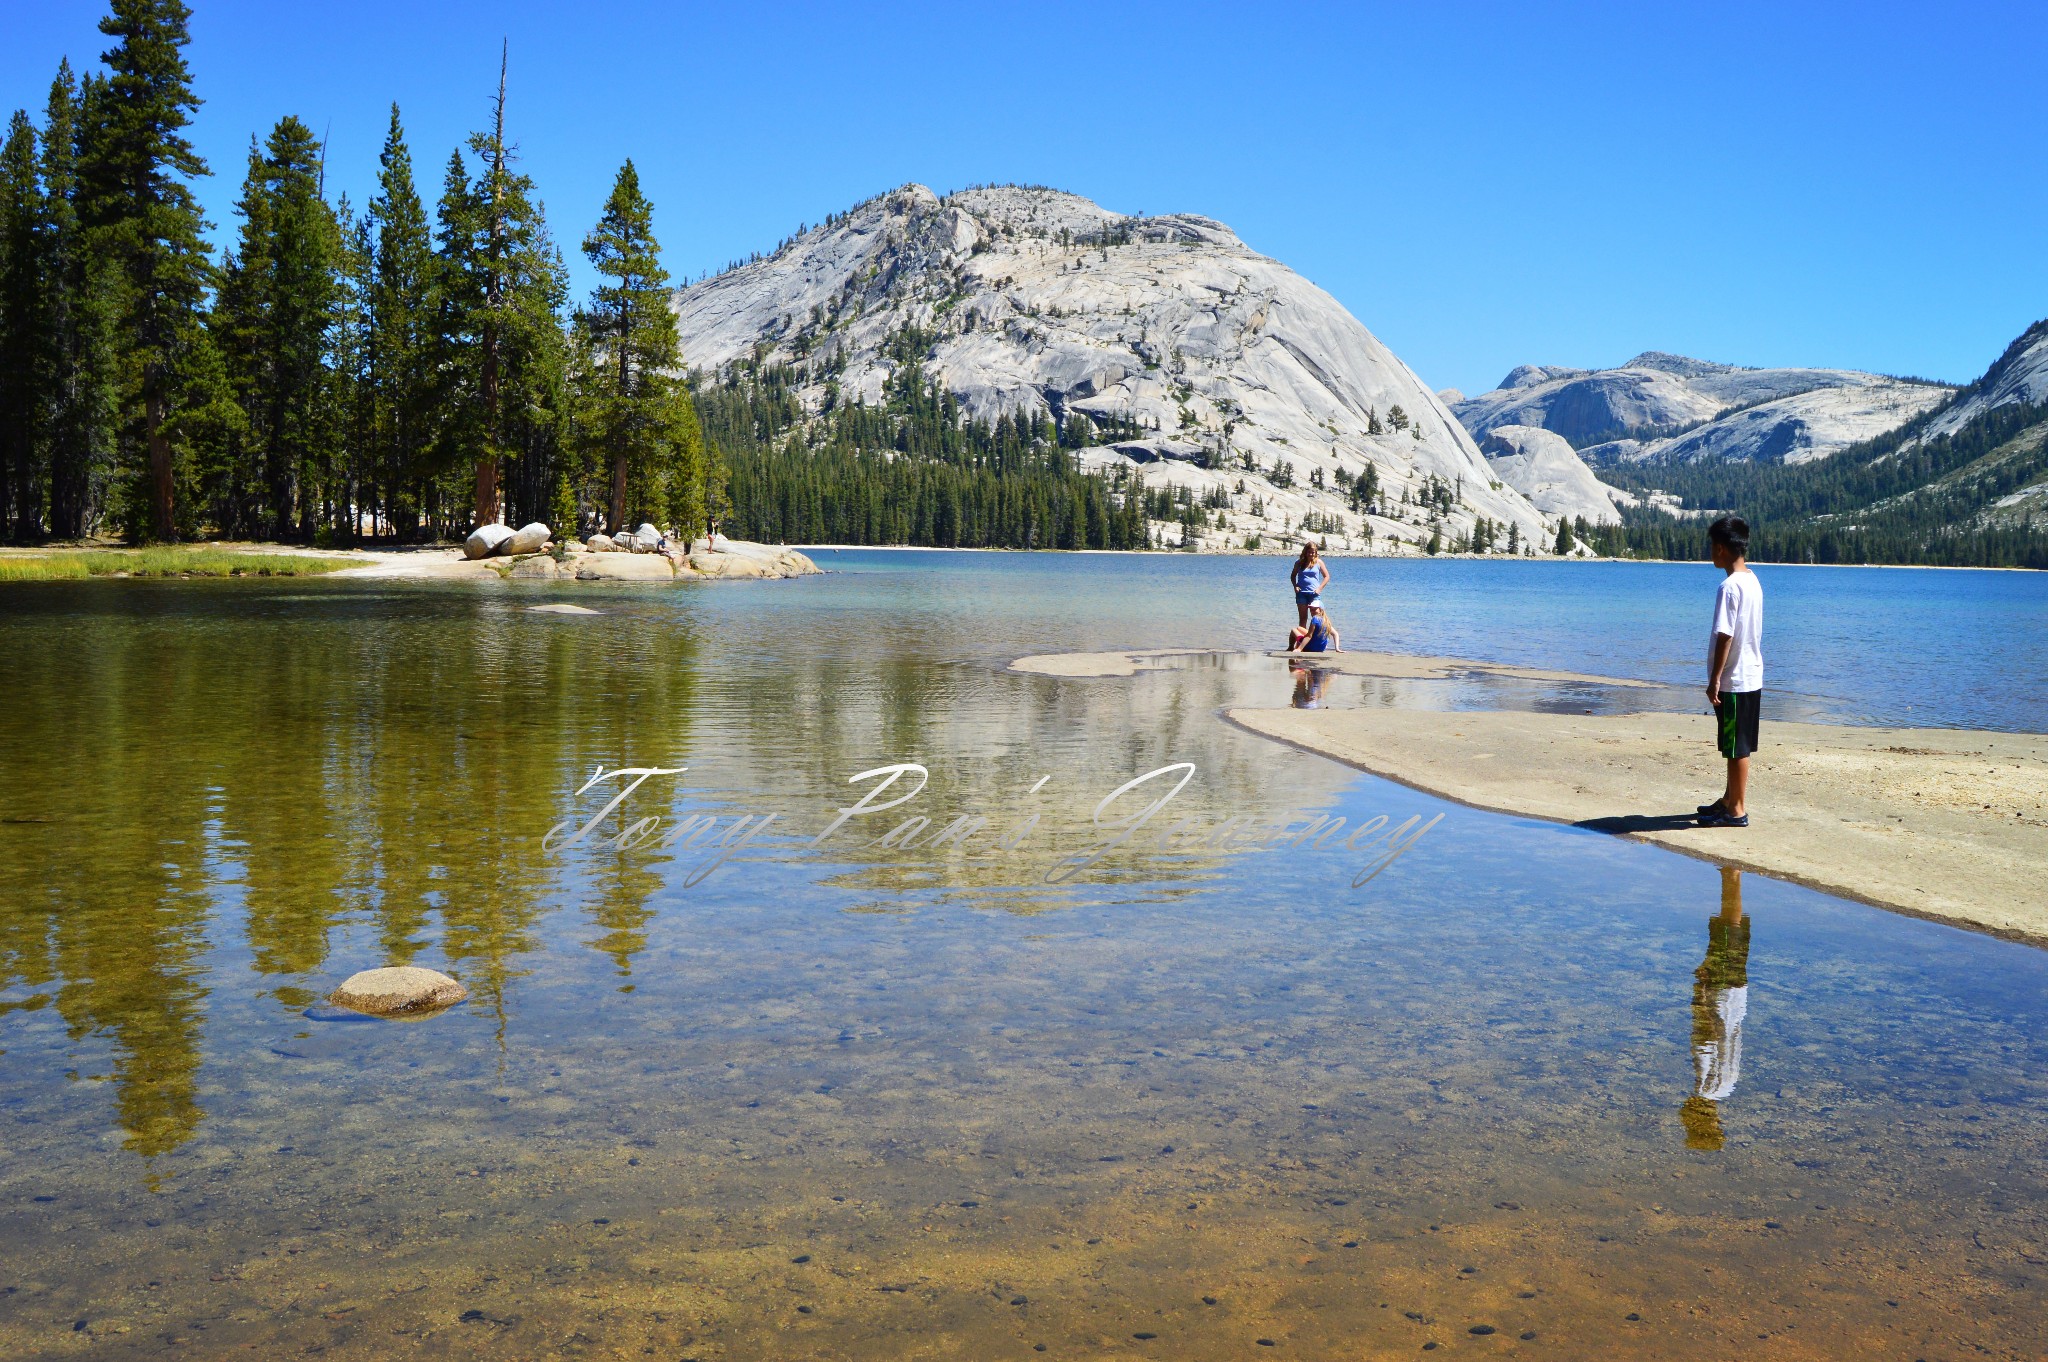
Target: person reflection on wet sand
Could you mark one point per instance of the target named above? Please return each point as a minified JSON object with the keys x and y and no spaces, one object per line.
{"x":1720,"y":1001}
{"x":1309,"y":684}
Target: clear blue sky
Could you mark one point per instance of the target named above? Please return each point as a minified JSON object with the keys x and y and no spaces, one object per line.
{"x":1484,"y":185}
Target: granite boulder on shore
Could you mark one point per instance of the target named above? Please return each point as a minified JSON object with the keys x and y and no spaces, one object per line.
{"x":722,"y":558}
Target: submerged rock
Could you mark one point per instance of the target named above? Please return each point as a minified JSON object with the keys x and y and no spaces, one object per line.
{"x":485,"y":540}
{"x":531,"y":538}
{"x":397,"y":990}
{"x":563,"y":608}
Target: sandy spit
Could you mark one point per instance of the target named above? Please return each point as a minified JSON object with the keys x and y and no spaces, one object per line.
{"x":1397,"y":666}
{"x":1947,"y":824}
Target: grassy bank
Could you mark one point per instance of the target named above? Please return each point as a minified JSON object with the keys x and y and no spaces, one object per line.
{"x":167,"y":561}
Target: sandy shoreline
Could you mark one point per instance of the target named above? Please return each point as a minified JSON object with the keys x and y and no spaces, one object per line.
{"x":1949,"y":824}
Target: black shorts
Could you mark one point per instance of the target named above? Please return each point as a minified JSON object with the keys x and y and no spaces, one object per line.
{"x":1738,"y":716}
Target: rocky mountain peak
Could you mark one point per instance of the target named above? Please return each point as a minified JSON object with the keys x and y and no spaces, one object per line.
{"x":1245,"y":384}
{"x":1682,"y":365}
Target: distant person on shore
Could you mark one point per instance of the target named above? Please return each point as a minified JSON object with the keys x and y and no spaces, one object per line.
{"x":1735,"y":668}
{"x":1310,"y":574}
{"x":1316,"y":636}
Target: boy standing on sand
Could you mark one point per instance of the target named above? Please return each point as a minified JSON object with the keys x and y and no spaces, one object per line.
{"x":1735,"y":667}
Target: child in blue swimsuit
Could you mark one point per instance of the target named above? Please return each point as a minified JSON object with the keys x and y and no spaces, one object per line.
{"x":1317,"y":636}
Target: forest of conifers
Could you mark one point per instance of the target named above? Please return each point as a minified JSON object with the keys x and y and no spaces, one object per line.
{"x":336,"y":374}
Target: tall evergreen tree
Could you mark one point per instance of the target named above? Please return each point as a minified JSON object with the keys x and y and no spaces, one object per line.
{"x":500,"y":287}
{"x":398,"y":364}
{"x":636,"y":417}
{"x":279,"y":307}
{"x":356,"y":477}
{"x":24,"y":335}
{"x":80,"y":292}
{"x":145,"y":218}
{"x":492,"y":220}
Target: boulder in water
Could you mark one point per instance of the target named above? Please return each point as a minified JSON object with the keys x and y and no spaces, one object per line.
{"x":529,"y":539}
{"x":485,"y":540}
{"x":398,"y":990}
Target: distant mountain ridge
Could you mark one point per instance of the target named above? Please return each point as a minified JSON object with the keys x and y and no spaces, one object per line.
{"x":1665,"y":408}
{"x":1963,"y":482}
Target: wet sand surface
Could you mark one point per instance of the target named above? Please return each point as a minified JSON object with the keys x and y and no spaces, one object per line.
{"x":1948,"y":823}
{"x":1389,"y":666}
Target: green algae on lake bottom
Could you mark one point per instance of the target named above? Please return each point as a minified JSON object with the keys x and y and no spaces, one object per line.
{"x":866,"y":1102}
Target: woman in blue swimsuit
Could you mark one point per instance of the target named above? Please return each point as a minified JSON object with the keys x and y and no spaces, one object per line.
{"x":1310,"y":574}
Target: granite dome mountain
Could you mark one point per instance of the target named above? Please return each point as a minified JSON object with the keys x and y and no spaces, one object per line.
{"x":1170,"y":347}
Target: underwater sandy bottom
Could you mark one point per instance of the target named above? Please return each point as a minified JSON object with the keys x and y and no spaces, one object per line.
{"x":881,"y":1103}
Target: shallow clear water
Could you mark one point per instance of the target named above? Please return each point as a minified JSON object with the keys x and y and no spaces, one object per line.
{"x":876,"y":1101}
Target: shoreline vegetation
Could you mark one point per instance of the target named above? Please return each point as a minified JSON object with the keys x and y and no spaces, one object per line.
{"x":1945,"y":824}
{"x":168,"y":561}
{"x":731,"y":560}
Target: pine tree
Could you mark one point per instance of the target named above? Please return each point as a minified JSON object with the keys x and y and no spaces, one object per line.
{"x":500,"y":287}
{"x":399,"y":359}
{"x":353,"y":396}
{"x":636,"y":417}
{"x":279,"y":307}
{"x":1564,"y":538}
{"x":145,"y":219}
{"x":81,"y":294}
{"x":24,"y":336}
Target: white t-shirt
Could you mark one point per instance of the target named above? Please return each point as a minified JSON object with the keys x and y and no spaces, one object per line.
{"x":1739,"y":613}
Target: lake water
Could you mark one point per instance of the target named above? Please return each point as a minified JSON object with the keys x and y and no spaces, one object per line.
{"x":1528,"y":1091}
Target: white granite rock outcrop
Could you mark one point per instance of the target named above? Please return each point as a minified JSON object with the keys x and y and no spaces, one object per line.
{"x":486,"y":540}
{"x":2019,"y":375}
{"x":1041,"y":303}
{"x":1668,"y":408}
{"x":530,"y":538}
{"x":1544,"y":467}
{"x":625,"y":567}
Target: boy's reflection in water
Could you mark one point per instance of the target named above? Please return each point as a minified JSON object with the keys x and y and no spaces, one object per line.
{"x":1720,"y":1000}
{"x":1309,"y":683}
